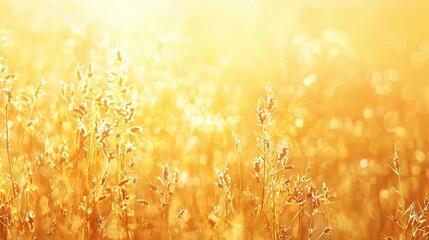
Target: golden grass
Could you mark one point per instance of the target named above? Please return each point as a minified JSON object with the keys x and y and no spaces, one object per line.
{"x":184,"y":120}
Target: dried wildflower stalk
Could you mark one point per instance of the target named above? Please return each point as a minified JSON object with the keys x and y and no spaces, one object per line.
{"x":101,"y":110}
{"x":6,"y":81}
{"x":237,"y":145}
{"x":413,"y":221}
{"x":224,"y":182}
{"x":168,"y":181}
{"x":278,"y":186}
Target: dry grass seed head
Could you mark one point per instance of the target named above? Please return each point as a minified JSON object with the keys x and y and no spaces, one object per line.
{"x":261,"y":113}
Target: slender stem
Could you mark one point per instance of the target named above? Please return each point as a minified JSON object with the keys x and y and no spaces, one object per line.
{"x":239,"y":178}
{"x":7,"y":142}
{"x":166,"y":223}
{"x":25,"y":131}
{"x":300,"y":221}
{"x":274,"y":210}
{"x":401,"y":194}
{"x":263,"y":179}
{"x":311,"y":219}
{"x":402,"y":203}
{"x":320,"y":236}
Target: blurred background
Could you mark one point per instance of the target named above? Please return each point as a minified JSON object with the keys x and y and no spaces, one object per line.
{"x":351,"y":80}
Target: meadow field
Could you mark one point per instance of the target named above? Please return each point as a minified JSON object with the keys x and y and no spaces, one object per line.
{"x":182,"y":119}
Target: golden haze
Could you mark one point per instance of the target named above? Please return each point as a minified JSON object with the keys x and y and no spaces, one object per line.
{"x":214,"y":119}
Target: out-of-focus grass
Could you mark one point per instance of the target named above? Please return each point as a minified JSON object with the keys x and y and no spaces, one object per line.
{"x":135,"y":90}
